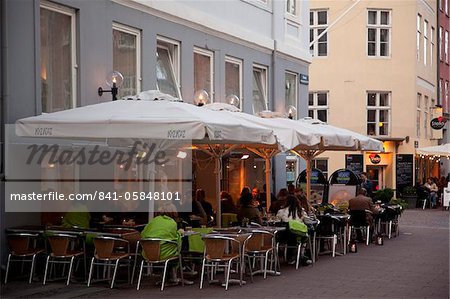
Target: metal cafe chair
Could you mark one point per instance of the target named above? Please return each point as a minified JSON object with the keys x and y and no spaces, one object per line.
{"x":217,"y":253}
{"x":260,"y":244}
{"x":151,"y":248}
{"x":388,"y":219}
{"x":105,"y":255}
{"x":60,"y":252}
{"x":358,"y":221}
{"x":22,"y":246}
{"x":326,"y":230}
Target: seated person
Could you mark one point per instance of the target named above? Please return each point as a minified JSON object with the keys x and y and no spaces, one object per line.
{"x":226,"y":203}
{"x":247,"y":209}
{"x":433,"y":189}
{"x":363,"y":203}
{"x":280,"y":202}
{"x":207,"y":207}
{"x":164,"y":226}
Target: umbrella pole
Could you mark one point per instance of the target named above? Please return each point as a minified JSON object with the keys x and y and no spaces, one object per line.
{"x":308,"y":177}
{"x":268,"y":191}
{"x":218,"y":178}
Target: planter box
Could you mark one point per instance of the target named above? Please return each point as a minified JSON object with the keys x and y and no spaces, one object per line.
{"x":411,"y":200}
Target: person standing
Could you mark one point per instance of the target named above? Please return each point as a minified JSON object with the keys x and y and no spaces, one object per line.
{"x":366,"y":184}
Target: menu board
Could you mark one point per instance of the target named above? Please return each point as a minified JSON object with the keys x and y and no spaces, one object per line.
{"x":355,"y":163}
{"x":405,"y":170}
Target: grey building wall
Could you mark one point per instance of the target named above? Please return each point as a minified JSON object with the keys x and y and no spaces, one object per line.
{"x":20,"y":70}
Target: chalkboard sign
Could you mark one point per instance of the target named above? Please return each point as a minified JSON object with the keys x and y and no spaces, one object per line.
{"x":355,"y":163}
{"x":405,"y":170}
{"x":317,"y":177}
{"x":344,"y":177}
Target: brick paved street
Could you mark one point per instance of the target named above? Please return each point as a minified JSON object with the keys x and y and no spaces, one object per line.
{"x":414,"y":265}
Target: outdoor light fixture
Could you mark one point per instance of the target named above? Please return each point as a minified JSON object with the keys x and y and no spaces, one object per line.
{"x":181,"y":155}
{"x":201,"y":97}
{"x":114,"y":80}
{"x":233,"y":99}
{"x":292,"y":112}
{"x":245,"y":157}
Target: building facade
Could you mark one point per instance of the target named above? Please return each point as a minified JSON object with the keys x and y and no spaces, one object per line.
{"x":373,"y":74}
{"x":56,"y":54}
{"x":444,"y":68}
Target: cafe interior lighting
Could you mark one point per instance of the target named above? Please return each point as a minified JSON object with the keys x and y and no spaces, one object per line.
{"x":245,"y":157}
{"x":114,"y":80}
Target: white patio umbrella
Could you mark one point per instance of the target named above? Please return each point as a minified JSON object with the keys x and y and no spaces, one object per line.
{"x":306,"y":137}
{"x":438,"y":150}
{"x":210,"y":131}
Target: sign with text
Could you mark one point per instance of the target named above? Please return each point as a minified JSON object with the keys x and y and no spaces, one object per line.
{"x":404,"y":171}
{"x":355,"y":163}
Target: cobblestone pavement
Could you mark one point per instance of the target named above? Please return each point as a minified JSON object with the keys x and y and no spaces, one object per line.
{"x":413,"y":265}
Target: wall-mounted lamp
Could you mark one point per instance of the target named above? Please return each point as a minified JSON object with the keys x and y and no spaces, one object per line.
{"x":181,"y":155}
{"x":201,"y":97}
{"x":292,"y":112}
{"x":234,"y":100}
{"x":114,"y":80}
{"x":245,"y":157}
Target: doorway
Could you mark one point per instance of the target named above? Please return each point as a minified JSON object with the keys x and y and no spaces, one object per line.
{"x":376,"y":175}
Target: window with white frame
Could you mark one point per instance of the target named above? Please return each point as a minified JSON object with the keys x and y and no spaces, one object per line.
{"x":378,"y":113}
{"x":58,"y":57}
{"x":425,"y":115}
{"x":318,"y":105}
{"x":259,"y":89}
{"x":441,"y":41}
{"x":292,"y":7}
{"x":318,"y":21}
{"x":419,"y":33}
{"x":425,"y":41}
{"x":233,"y":78}
{"x":418,"y":114}
{"x":167,"y":66}
{"x":432,"y":45}
{"x":378,"y":33}
{"x":291,"y":90}
{"x":446,"y":92}
{"x":126,"y":58}
{"x":446,"y":3}
{"x":203,"y":71}
{"x":446,"y":47}
{"x":321,"y":164}
{"x":440,"y":94}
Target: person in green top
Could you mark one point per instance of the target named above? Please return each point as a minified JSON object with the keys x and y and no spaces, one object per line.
{"x":164,"y":226}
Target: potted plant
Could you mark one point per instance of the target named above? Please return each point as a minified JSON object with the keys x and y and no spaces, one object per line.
{"x":384,"y":195}
{"x":409,"y":195}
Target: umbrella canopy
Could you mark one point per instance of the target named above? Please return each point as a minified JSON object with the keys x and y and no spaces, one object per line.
{"x":152,"y":115}
{"x":439,"y":150}
{"x":160,"y":119}
{"x":306,"y":137}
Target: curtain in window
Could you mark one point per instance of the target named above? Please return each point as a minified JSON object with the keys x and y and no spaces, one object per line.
{"x":124,"y":61}
{"x":259,"y":100}
{"x":164,"y":73}
{"x":56,"y":61}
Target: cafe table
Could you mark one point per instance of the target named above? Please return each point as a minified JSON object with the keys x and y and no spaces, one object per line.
{"x":342,"y":218}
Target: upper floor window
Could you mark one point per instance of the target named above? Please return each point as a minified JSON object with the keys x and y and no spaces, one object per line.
{"x":425,"y":41}
{"x":203,"y":71}
{"x":167,"y":66}
{"x":233,"y":78}
{"x":441,"y":41}
{"x":432,"y":37}
{"x":318,"y":21}
{"x":419,"y":33}
{"x":259,"y":89}
{"x":418,"y":113}
{"x":446,"y":47}
{"x":291,"y":92}
{"x":126,"y":58}
{"x":425,"y":116}
{"x":292,"y":7}
{"x":321,"y":164}
{"x":58,"y":57}
{"x":318,"y":105}
{"x":378,"y":33}
{"x":378,"y":116}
